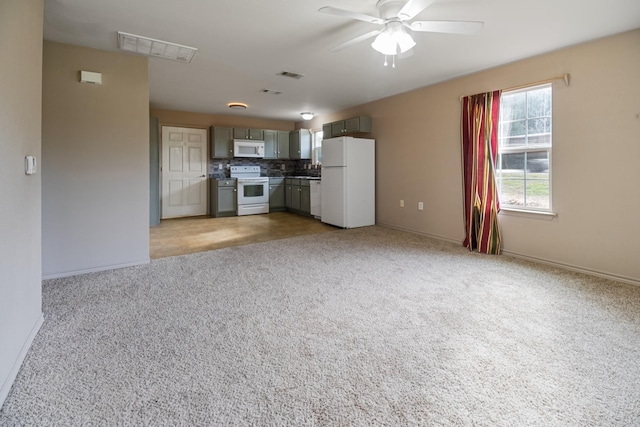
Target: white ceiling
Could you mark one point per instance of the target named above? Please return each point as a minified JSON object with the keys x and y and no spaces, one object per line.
{"x":244,"y":44}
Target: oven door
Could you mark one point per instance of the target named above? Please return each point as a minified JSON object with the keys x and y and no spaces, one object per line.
{"x":253,"y":191}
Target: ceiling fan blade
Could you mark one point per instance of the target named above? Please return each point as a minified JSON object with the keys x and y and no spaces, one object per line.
{"x":356,"y":40}
{"x":353,"y":15}
{"x":451,"y":27}
{"x":412,"y":8}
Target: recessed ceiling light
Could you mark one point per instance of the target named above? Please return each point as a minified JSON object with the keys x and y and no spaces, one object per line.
{"x":307,"y":115}
{"x":155,"y":48}
{"x":237,"y":105}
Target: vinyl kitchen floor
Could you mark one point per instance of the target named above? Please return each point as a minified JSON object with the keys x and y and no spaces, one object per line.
{"x":198,"y":234}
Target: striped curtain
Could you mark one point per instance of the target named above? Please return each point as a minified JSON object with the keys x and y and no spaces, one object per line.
{"x":479,"y":152}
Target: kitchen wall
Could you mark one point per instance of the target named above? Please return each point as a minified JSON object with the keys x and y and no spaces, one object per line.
{"x":95,"y":161}
{"x":596,"y":153}
{"x":205,"y":121}
{"x":201,"y":120}
{"x":20,"y":210}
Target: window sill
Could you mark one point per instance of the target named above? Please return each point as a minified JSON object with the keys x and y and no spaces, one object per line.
{"x":528,"y":213}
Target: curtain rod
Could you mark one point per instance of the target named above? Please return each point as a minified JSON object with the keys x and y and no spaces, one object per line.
{"x":565,"y":77}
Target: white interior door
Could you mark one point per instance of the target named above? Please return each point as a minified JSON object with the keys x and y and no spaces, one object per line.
{"x":184,"y":172}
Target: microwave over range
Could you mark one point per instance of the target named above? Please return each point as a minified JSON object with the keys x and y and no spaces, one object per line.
{"x":248,"y":148}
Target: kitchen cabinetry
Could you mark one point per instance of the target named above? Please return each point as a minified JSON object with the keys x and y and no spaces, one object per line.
{"x":245,"y":133}
{"x":283,"y":145}
{"x":270,"y":144}
{"x":354,"y":126}
{"x":276,"y":144}
{"x":277,"y":195}
{"x":300,"y":144}
{"x":326,"y":130}
{"x":221,"y":142}
{"x":298,"y":195}
{"x":223,"y":197}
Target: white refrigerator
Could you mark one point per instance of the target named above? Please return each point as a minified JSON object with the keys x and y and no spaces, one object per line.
{"x":348,"y":182}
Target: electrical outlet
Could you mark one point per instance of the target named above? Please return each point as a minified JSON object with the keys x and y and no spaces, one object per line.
{"x":420,"y":206}
{"x":402,"y":203}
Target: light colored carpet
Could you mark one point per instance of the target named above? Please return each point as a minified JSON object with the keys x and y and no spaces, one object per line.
{"x":369,"y":326}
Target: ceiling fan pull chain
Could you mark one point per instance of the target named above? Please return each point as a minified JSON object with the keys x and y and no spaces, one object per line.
{"x":385,"y":61}
{"x":394,"y":61}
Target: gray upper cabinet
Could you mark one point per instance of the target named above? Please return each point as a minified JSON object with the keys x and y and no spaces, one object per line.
{"x":326,"y":130}
{"x":245,"y":133}
{"x":283,"y":144}
{"x":300,"y":144}
{"x":354,"y":126}
{"x":270,"y":144}
{"x":276,"y":144}
{"x":221,"y":142}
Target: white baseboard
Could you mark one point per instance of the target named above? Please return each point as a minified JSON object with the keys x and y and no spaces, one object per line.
{"x":13,"y":373}
{"x":94,"y":270}
{"x":565,"y":266}
{"x":575,"y":268}
{"x":433,"y":236}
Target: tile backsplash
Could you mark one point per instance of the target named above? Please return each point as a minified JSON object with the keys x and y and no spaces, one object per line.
{"x":219,"y":168}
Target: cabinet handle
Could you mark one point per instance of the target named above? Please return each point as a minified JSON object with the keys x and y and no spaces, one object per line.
{"x":235,"y":189}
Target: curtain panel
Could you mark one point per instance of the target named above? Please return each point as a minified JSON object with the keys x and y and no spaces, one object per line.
{"x":479,"y":152}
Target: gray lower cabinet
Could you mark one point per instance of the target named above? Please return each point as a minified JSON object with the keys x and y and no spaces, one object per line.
{"x":277,"y":192}
{"x":298,"y":195}
{"x":305,"y":196}
{"x":223,"y":197}
{"x":221,"y":142}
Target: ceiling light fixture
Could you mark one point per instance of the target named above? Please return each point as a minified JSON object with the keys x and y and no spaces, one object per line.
{"x":237,"y":105}
{"x":307,"y":115}
{"x":393,"y":40}
{"x":155,"y":48}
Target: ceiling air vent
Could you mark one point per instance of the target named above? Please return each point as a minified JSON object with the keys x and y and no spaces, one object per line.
{"x":155,"y":48}
{"x":290,"y":74}
{"x":271,"y":92}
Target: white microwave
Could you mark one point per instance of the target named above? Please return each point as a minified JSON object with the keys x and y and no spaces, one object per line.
{"x":248,"y":148}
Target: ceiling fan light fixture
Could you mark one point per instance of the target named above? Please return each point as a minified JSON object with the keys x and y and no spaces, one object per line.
{"x":393,"y":40}
{"x":307,"y":115}
{"x":384,"y":44}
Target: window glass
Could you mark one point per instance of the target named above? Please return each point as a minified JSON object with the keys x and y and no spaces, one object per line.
{"x":523,"y":170}
{"x":317,"y":147}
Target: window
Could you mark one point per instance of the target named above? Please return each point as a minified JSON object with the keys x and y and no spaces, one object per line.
{"x":316,"y":157}
{"x":524,"y":149}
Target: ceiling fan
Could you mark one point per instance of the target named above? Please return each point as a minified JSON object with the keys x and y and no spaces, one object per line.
{"x":395,"y":17}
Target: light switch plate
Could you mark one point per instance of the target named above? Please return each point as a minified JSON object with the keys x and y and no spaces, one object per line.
{"x":30,"y":165}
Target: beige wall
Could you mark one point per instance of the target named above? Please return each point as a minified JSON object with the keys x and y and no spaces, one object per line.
{"x":20,"y":113}
{"x":596,"y":157}
{"x":95,"y":161}
{"x":183,"y":118}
